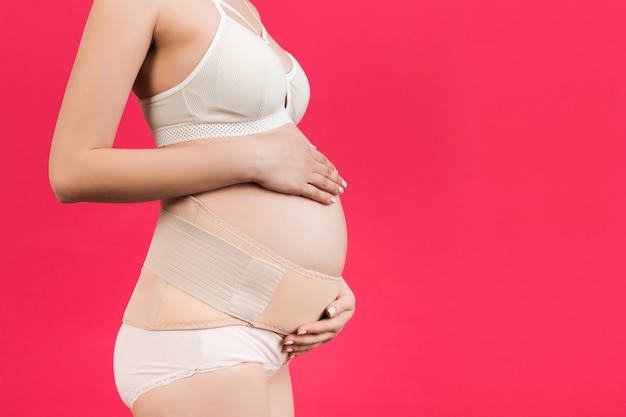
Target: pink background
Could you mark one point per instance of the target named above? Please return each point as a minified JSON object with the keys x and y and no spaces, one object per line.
{"x":484,"y":144}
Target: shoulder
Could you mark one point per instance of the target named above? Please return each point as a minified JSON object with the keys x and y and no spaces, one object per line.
{"x":180,"y":20}
{"x":126,"y":9}
{"x":130,"y":19}
{"x":254,"y":9}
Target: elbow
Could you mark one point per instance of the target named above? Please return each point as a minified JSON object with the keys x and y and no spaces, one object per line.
{"x":64,"y":198}
{"x":63,"y":184}
{"x":61,"y":190}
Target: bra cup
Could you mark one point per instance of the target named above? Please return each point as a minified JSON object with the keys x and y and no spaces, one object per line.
{"x":239,"y":87}
{"x":242,"y":79}
{"x":249,"y":85}
{"x":299,"y":93}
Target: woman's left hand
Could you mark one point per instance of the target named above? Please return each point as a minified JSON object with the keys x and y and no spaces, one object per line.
{"x":311,"y":335}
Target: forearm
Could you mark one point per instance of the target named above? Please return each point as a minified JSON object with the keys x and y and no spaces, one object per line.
{"x":134,"y":175}
{"x":84,"y":166}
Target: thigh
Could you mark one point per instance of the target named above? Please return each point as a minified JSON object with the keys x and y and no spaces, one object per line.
{"x":280,"y":394}
{"x":238,"y":391}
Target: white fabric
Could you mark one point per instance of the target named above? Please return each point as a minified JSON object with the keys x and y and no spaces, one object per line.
{"x":193,"y":131}
{"x":145,"y":359}
{"x":240,"y":79}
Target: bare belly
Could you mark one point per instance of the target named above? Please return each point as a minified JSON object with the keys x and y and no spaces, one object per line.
{"x":310,"y":234}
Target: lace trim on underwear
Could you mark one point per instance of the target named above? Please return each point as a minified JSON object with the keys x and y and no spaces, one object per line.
{"x":172,"y":378}
{"x":194,"y":131}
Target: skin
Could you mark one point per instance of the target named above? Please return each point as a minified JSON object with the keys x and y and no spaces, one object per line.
{"x":119,"y":36}
{"x":312,"y":335}
{"x":131,"y":45}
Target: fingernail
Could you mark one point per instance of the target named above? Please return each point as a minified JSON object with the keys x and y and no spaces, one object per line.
{"x":336,"y":172}
{"x":288,"y":343}
{"x":289,"y":350}
{"x":333,"y":200}
{"x":313,"y":146}
{"x":331,"y":311}
{"x":344,"y":183}
{"x":301,"y":332}
{"x":341,"y":190}
{"x":292,"y":356}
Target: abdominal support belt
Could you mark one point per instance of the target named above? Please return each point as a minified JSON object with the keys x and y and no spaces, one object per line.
{"x":212,"y":269}
{"x":196,"y":252}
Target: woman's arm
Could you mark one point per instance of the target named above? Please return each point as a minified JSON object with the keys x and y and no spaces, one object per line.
{"x":85,"y":167}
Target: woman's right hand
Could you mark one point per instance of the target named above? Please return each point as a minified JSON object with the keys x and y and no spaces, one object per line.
{"x":288,"y":163}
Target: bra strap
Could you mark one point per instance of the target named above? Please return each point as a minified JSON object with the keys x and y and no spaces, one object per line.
{"x":220,"y":3}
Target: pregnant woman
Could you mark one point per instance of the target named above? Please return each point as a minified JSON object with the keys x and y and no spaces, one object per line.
{"x":244,"y":269}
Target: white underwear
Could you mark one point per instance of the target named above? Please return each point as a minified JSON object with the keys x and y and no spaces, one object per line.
{"x":146,"y":359}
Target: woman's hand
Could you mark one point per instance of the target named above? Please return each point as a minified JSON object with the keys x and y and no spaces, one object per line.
{"x":311,"y":335}
{"x":287,"y":163}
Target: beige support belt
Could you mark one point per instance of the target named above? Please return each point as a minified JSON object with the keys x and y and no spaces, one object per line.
{"x":200,"y":272}
{"x":213,"y":270}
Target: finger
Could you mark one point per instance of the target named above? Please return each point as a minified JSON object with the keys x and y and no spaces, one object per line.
{"x":334,"y":308}
{"x":317,"y":335}
{"x":313,"y":193}
{"x":301,"y":349}
{"x":295,"y":354}
{"x":327,"y":169}
{"x":331,"y":325}
{"x":320,"y":157}
{"x":335,"y":178}
{"x":325,"y":183}
{"x":338,"y":180}
{"x":298,"y":343}
{"x":320,"y":330}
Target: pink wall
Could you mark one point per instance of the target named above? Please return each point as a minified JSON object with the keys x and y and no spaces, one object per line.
{"x":484,"y":144}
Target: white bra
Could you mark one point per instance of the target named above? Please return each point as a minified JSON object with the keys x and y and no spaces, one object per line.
{"x":238,"y":88}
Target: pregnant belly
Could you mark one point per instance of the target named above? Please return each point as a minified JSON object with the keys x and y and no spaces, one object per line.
{"x":310,"y":234}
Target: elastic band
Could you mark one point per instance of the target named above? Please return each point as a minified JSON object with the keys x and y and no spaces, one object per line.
{"x":194,"y":131}
{"x":214,"y":270}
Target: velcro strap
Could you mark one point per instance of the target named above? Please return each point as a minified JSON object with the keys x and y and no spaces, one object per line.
{"x":211,"y":269}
